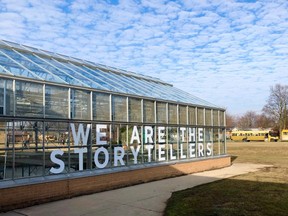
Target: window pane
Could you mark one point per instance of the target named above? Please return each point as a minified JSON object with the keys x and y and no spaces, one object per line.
{"x":172,"y":114}
{"x":135,"y":110}
{"x":216,"y":142}
{"x":101,"y":106}
{"x":222,"y":123}
{"x":6,"y":145}
{"x":119,"y":108}
{"x":56,"y":137}
{"x":29,"y":99}
{"x":80,"y":104}
{"x":192,"y":115}
{"x":182,"y":115}
{"x":148,"y":111}
{"x":161,"y":112}
{"x":29,"y":153}
{"x":200,"y":116}
{"x":56,"y":102}
{"x":215,"y":118}
{"x":208,"y":117}
{"x":6,"y":97}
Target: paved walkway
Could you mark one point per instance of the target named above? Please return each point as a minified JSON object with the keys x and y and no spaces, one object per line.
{"x":144,"y":199}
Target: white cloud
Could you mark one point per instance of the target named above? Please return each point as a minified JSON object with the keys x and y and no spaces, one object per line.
{"x":223,"y":47}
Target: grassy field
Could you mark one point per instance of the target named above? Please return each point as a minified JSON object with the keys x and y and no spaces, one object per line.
{"x":260,"y":193}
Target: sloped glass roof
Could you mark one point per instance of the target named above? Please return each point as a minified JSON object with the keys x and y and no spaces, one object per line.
{"x":23,"y":61}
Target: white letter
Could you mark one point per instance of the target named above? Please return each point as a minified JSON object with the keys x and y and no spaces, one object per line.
{"x":135,"y":135}
{"x":118,"y":157}
{"x":200,"y":134}
{"x":135,"y":153}
{"x":80,"y":151}
{"x":192,"y":135}
{"x":161,"y":152}
{"x":192,"y":150}
{"x":200,"y":150}
{"x":209,"y":149}
{"x":148,"y":135}
{"x":149,"y":147}
{"x":80,"y":134}
{"x":100,"y":134}
{"x":57,"y":161}
{"x":182,"y":156}
{"x":182,"y":129}
{"x":172,"y":157}
{"x":96,"y":158}
{"x":161,"y":134}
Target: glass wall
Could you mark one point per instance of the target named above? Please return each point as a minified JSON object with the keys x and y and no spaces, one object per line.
{"x":49,"y":130}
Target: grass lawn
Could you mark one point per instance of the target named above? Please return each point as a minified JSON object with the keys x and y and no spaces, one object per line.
{"x":260,"y":193}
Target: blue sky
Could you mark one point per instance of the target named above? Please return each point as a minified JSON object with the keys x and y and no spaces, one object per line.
{"x":226,"y":52}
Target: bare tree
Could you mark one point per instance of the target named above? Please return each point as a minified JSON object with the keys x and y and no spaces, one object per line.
{"x":230,"y":121}
{"x":276,"y":106}
{"x":264,"y":121}
{"x":248,"y":120}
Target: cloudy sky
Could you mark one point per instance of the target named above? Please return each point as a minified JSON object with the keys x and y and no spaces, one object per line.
{"x":227,"y":52}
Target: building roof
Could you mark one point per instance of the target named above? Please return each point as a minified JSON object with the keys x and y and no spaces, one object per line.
{"x":23,"y":61}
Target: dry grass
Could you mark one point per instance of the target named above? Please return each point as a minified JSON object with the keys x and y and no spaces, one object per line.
{"x":260,"y":193}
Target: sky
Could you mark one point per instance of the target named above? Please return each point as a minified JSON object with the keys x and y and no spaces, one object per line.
{"x":228,"y":52}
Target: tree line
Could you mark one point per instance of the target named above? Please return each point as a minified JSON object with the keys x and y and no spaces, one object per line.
{"x":273,"y":115}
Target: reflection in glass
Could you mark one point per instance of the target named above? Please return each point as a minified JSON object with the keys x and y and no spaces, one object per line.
{"x":182,"y":115}
{"x":215,"y":118}
{"x":29,"y":99}
{"x":216,"y":142}
{"x":161,"y":112}
{"x":208,"y":117}
{"x":6,"y":97}
{"x":148,"y":112}
{"x":56,"y":102}
{"x":80,"y":104}
{"x":172,"y":110}
{"x":134,"y":110}
{"x":192,"y":115}
{"x":119,"y":108}
{"x":101,"y":106}
{"x":200,"y":116}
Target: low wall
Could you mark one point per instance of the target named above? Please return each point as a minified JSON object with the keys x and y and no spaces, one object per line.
{"x":31,"y":194}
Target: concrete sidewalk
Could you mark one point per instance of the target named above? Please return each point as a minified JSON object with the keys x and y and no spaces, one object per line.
{"x":144,"y":199}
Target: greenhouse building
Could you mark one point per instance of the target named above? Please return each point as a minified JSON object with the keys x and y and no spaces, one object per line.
{"x":80,"y":127}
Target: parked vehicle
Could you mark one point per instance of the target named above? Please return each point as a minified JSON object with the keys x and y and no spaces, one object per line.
{"x":247,"y":136}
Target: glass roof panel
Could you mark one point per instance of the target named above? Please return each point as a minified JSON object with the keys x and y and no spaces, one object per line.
{"x":90,"y":83}
{"x":14,"y":68}
{"x":142,"y":90}
{"x":63,"y":76}
{"x":113,"y":85}
{"x":115,"y":78}
{"x":100,"y":83}
{"x":26,"y":62}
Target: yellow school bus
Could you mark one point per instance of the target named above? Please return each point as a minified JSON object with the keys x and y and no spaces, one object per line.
{"x":247,"y":136}
{"x":284,"y":135}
